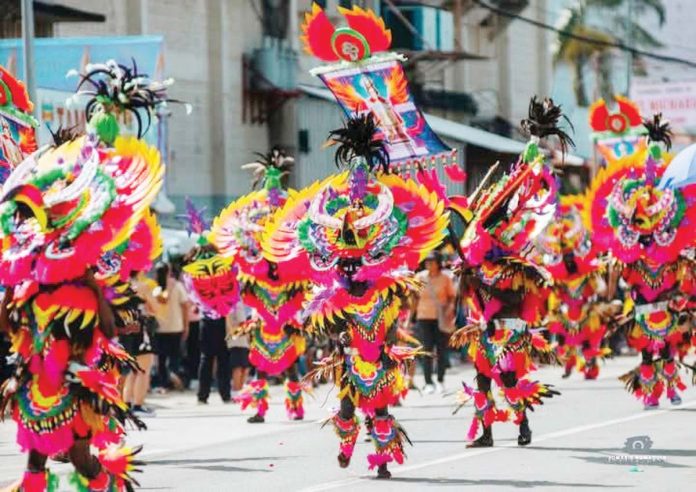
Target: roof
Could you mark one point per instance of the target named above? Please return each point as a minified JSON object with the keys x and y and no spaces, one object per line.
{"x":50,"y":11}
{"x":446,"y":128}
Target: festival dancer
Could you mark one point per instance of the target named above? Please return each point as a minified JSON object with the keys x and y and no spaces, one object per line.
{"x":364,"y":231}
{"x":59,"y":211}
{"x":211,"y":281}
{"x":566,"y":251}
{"x":647,"y":225}
{"x":504,"y":290}
{"x":274,"y":290}
{"x":68,"y":212}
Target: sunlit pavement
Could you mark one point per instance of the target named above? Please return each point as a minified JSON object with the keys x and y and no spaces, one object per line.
{"x":579,"y":442}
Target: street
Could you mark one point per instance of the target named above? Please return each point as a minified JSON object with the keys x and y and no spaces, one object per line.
{"x":578,"y":443}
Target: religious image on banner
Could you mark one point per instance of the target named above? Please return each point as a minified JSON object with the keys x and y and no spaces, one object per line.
{"x":366,"y":78}
{"x":382,"y":89}
{"x":616,"y":133}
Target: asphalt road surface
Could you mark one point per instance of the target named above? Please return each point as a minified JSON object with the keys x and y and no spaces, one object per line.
{"x":578,"y":442}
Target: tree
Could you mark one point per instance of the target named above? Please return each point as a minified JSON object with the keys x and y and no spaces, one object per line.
{"x":580,"y":53}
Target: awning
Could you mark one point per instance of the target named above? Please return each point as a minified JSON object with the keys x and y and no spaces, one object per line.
{"x":446,"y":128}
{"x":50,"y":12}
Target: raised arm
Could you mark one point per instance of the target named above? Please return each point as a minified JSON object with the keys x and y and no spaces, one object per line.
{"x":107,"y":322}
{"x":5,"y":326}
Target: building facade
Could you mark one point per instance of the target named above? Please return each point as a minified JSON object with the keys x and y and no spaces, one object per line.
{"x":481,"y":70}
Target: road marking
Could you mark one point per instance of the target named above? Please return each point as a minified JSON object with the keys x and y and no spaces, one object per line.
{"x":477,"y":452}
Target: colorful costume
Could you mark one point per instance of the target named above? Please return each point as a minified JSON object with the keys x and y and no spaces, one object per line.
{"x":275,"y":290}
{"x":17,"y":125}
{"x":504,"y":290}
{"x":568,"y":254}
{"x":67,"y":211}
{"x":364,"y":232}
{"x":647,"y":226}
{"x":210,"y":279}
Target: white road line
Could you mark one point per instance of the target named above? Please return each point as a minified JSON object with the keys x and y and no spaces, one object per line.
{"x":477,"y":452}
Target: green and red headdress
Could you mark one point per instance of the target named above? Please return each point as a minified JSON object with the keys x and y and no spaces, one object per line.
{"x":633,"y":216}
{"x":362,"y":223}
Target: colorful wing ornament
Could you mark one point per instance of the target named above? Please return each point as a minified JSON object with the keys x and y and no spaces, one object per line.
{"x":504,"y":218}
{"x":634,"y":217}
{"x":17,"y":125}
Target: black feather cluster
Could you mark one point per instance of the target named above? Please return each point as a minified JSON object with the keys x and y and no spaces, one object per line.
{"x":275,"y":159}
{"x":357,"y":138}
{"x":63,"y":135}
{"x":543,"y":120}
{"x":659,"y":130}
{"x":116,"y":86}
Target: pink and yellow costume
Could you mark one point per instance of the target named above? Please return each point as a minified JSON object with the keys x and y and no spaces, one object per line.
{"x":275,"y":290}
{"x":504,"y":290}
{"x":647,"y":227}
{"x":66,"y":212}
{"x":566,"y":250}
{"x":363,"y":232}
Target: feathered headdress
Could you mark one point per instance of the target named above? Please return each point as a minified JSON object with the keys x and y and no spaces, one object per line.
{"x":360,"y":151}
{"x":270,"y":168}
{"x":116,"y":89}
{"x":63,"y":135}
{"x":358,"y":139}
{"x":659,"y":131}
{"x":543,"y":121}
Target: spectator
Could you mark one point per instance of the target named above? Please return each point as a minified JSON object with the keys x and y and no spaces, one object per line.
{"x":171,"y":312}
{"x":140,"y":345}
{"x":239,"y":349}
{"x":213,"y":350}
{"x":193,"y":345}
{"x":435,"y":319}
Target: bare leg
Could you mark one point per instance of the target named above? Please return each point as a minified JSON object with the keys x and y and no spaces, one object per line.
{"x":83,"y":460}
{"x":142,"y":379}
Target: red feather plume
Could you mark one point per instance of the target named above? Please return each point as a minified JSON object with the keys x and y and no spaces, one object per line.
{"x":317,"y":32}
{"x":370,"y":26}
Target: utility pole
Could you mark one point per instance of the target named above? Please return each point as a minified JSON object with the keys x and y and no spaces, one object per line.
{"x":28,"y":47}
{"x":629,"y":42}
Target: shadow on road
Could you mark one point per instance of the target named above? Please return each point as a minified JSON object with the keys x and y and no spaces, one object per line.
{"x":191,"y":461}
{"x":650,"y":452}
{"x":518,"y":484}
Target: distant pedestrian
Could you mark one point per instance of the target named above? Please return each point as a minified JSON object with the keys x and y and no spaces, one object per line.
{"x":239,"y":349}
{"x":192,"y":359}
{"x":435,"y":311}
{"x":141,"y":346}
{"x":213,"y":352}
{"x":171,"y":312}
